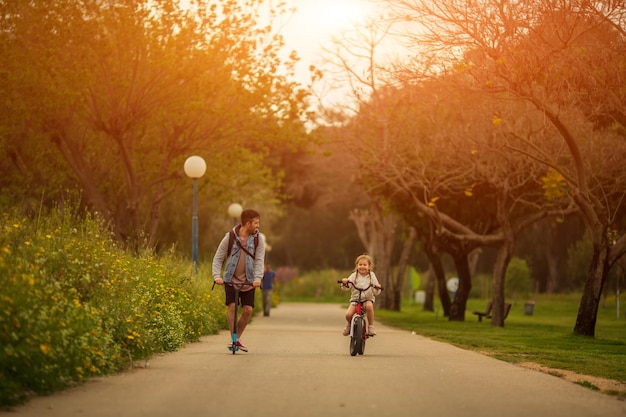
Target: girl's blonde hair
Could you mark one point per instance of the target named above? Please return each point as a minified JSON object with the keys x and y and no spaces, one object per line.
{"x":367,"y":258}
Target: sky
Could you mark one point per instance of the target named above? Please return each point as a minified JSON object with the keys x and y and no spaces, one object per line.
{"x":315,"y":23}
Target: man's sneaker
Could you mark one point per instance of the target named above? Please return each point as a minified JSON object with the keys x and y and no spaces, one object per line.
{"x":346,"y":330}
{"x":241,"y":346}
{"x":371,"y":331}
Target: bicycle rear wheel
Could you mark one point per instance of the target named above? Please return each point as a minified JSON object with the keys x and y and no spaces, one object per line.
{"x":356,"y":341}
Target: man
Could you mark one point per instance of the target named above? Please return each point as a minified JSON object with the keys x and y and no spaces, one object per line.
{"x":242,"y":264}
{"x":266,"y":289}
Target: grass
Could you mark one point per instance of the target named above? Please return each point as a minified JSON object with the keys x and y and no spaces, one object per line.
{"x":546,"y":337}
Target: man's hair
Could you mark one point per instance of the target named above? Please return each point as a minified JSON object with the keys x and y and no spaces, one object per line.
{"x":248,"y":215}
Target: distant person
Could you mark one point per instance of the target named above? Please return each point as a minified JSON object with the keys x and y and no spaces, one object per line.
{"x":266,"y":289}
{"x":243,"y":263}
{"x":362,"y":277}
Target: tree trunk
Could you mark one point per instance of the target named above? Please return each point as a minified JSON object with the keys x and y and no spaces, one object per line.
{"x":377,"y":233}
{"x":437,"y":267}
{"x":505,"y":253}
{"x":457,"y":309}
{"x":473,"y":258}
{"x":396,"y":297}
{"x":596,"y":277}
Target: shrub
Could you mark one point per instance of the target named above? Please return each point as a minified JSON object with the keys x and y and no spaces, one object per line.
{"x":518,"y":282}
{"x":75,"y":305}
{"x":481,"y":286}
{"x":316,"y":285}
{"x":49,"y":337}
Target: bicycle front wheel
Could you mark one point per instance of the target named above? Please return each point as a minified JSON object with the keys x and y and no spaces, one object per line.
{"x":363,"y":339}
{"x":356,"y":341}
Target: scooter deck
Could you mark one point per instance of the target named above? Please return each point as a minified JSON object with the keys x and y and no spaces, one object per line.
{"x":237,"y":349}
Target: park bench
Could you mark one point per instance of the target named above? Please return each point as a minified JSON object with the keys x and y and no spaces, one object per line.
{"x":487,"y":312}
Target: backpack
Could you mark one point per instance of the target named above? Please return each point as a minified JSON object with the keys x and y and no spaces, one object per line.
{"x":231,"y":240}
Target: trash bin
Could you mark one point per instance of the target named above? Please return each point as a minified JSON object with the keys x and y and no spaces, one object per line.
{"x":529,"y":306}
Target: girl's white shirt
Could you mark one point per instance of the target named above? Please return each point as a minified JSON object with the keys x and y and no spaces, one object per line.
{"x":363,"y":281}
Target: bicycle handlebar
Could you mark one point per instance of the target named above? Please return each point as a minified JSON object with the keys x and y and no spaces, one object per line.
{"x":241,"y":284}
{"x":350,"y":283}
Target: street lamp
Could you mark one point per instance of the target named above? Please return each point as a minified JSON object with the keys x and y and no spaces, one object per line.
{"x":234,"y":211}
{"x":195,"y":167}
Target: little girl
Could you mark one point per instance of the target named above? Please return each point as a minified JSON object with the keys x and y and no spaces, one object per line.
{"x":362,"y":277}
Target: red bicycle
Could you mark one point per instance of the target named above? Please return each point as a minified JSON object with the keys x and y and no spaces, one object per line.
{"x":359,"y":323}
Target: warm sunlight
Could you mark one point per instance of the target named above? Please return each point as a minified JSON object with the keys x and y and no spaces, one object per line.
{"x":314,"y":25}
{"x":330,"y":17}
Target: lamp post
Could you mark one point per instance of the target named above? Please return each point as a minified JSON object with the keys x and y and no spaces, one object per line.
{"x":195,"y":167}
{"x":234,"y":211}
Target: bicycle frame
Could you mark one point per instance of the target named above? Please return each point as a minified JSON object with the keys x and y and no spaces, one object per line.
{"x":359,"y":324}
{"x":360,"y":312}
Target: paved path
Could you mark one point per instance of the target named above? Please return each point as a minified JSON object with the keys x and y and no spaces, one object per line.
{"x":299,"y":366}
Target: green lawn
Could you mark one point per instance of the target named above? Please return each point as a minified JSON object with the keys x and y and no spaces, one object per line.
{"x":546,"y":337}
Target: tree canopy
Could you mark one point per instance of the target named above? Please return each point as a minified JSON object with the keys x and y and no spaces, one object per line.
{"x":503,"y":113}
{"x":560,"y":63}
{"x":112,"y":97}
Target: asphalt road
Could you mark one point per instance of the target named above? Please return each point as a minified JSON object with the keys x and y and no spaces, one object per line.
{"x":299,"y":365}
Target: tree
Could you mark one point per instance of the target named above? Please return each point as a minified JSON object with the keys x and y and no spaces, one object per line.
{"x":565,"y":59}
{"x":352,"y":58}
{"x":445,"y":156}
{"x":318,"y":196}
{"x":126,"y":91}
{"x":378,"y":228}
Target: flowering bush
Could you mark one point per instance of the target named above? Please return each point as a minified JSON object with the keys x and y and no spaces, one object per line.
{"x":74,"y":305}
